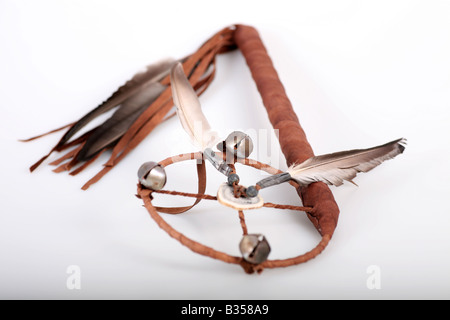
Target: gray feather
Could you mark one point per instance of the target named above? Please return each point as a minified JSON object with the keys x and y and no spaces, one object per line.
{"x":334,"y":168}
{"x":139,"y":93}
{"x":132,"y":87}
{"x":113,"y":128}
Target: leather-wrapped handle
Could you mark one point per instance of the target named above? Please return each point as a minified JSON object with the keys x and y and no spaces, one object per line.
{"x":292,"y":138}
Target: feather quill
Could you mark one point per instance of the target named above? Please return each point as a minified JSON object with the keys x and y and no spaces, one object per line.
{"x":334,"y":168}
{"x":189,"y":110}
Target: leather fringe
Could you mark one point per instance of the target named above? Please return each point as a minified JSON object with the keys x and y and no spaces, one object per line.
{"x":200,"y":67}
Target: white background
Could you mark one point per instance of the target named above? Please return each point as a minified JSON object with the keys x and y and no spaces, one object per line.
{"x":358,"y":73}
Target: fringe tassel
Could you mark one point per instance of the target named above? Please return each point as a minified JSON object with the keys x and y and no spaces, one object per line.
{"x":200,"y":68}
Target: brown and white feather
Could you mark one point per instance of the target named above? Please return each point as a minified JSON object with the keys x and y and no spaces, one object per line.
{"x":189,"y":110}
{"x":336,"y":167}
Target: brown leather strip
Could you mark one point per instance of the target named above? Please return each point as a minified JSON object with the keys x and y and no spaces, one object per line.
{"x":301,"y":258}
{"x":75,"y":142}
{"x":201,"y":196}
{"x":222,"y":37}
{"x":287,"y":207}
{"x":293,"y":141}
{"x":201,"y":173}
{"x":39,"y":162}
{"x":86,"y":163}
{"x":66,"y":156}
{"x":191,"y":244}
{"x":47,"y":133}
{"x":96,"y":178}
{"x":242,"y":221}
{"x":66,"y":166}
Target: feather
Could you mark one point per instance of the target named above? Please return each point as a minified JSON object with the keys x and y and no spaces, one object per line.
{"x":189,"y":110}
{"x":113,"y":128}
{"x":334,"y":168}
{"x":132,"y":89}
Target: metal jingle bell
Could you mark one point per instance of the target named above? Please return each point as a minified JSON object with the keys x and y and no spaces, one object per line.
{"x":254,"y":248}
{"x":237,"y":143}
{"x":152,"y":175}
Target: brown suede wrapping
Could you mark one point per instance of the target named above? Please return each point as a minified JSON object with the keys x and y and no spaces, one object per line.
{"x":293,"y":141}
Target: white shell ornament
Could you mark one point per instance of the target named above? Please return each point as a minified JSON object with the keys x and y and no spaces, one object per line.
{"x":225,"y":195}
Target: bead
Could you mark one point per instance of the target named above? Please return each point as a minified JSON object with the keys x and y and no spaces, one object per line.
{"x":152,"y":175}
{"x":254,"y":248}
{"x":251,"y":192}
{"x":232,"y":178}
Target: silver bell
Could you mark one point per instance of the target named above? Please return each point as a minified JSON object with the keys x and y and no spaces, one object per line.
{"x":237,"y":143}
{"x":254,"y":248}
{"x":152,"y":175}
